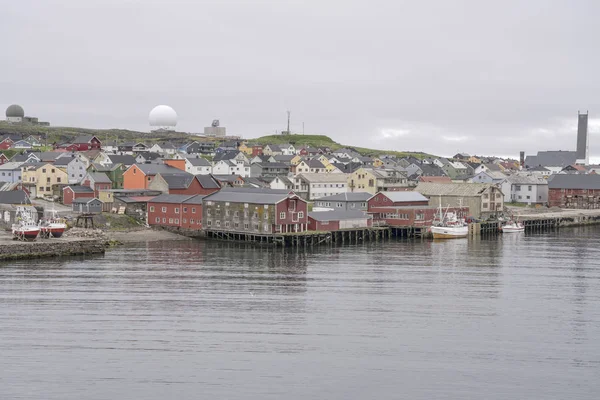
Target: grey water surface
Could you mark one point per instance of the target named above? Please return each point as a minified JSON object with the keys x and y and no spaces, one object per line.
{"x":513,"y":317}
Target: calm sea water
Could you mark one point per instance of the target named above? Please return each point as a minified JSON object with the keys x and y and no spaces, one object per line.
{"x":511,"y":318}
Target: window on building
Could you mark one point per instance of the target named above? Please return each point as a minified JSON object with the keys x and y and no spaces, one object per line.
{"x":218,"y":223}
{"x":157,"y":220}
{"x":151,"y":208}
{"x":185,"y":210}
{"x":245,"y":205}
{"x":53,"y":170}
{"x":209,"y":223}
{"x":255,"y":215}
{"x":485,"y":205}
{"x":227,"y":213}
{"x":193,"y":210}
{"x":41,"y":188}
{"x":177,"y":220}
{"x":227,"y":204}
{"x":208,"y":212}
{"x":184,"y":220}
{"x":44,"y":170}
{"x":255,"y":227}
{"x":170,"y":220}
{"x":246,"y":226}
{"x":518,"y":188}
{"x":176,"y":210}
{"x":236,"y":225}
{"x":164,"y":209}
{"x":47,"y":188}
{"x":529,"y":188}
{"x":266,"y":206}
{"x":226,"y":224}
{"x":528,"y":197}
{"x":418,"y":216}
{"x":281,"y":215}
{"x":266,"y":228}
{"x":218,"y":212}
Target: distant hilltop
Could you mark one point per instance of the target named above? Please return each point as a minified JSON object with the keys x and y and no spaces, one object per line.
{"x":56,"y":134}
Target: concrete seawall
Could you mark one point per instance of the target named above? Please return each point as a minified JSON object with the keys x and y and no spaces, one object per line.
{"x":13,"y":250}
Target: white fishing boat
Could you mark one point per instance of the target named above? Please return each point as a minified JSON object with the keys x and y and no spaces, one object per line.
{"x":25,"y":227}
{"x":53,"y":225}
{"x":513,"y":227}
{"x":449,"y":226}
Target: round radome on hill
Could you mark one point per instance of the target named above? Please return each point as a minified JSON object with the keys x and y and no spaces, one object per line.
{"x":15,"y":110}
{"x":163,"y":116}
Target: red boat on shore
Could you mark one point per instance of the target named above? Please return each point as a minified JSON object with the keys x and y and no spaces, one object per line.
{"x":25,"y":228}
{"x":53,"y":226}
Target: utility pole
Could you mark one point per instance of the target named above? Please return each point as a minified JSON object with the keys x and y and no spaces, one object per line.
{"x":288,"y":126}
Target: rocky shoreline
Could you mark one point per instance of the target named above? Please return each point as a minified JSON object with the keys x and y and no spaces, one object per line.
{"x":78,"y":241}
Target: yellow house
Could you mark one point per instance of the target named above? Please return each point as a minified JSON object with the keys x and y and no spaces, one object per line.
{"x":362,"y":180}
{"x":324,"y":160}
{"x":244,"y":148}
{"x":377,"y":162}
{"x":44,"y":179}
{"x":474,"y":159}
{"x":329,"y":167}
{"x":296,"y":160}
{"x":376,"y":180}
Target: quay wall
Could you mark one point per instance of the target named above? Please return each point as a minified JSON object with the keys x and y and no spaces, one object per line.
{"x":14,"y":250}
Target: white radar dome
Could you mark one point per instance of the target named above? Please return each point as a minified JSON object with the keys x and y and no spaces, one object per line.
{"x":163,"y":117}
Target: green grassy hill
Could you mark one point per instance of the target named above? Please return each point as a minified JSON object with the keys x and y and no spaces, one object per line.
{"x":322,"y":140}
{"x":58,"y":134}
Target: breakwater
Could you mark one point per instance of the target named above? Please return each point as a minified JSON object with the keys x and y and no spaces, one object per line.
{"x":13,"y":250}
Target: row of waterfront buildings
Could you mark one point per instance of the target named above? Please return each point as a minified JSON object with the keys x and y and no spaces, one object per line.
{"x":237,"y":186}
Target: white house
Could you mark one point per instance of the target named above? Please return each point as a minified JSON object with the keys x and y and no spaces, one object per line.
{"x":312,"y":186}
{"x":231,"y":167}
{"x":198,"y":166}
{"x":525,"y":188}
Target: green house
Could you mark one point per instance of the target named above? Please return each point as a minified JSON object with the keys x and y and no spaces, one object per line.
{"x":113,"y":171}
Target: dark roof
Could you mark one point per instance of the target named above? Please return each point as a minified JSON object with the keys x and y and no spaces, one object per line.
{"x":125,"y":159}
{"x":63,"y":160}
{"x":208,"y":182}
{"x":337,"y":215}
{"x":99,"y":177}
{"x":171,"y":198}
{"x":249,"y":195}
{"x":314,"y":163}
{"x":149,"y":156}
{"x":552,"y":158}
{"x":353,"y":196}
{"x":226,"y":155}
{"x":85,"y":200}
{"x":285,"y":158}
{"x":198,"y":161}
{"x":574,"y":181}
{"x":273,"y":165}
{"x":348,"y":168}
{"x":226,"y":178}
{"x":177,"y":180}
{"x":84,"y":139}
{"x":404,"y":196}
{"x":196,"y":199}
{"x":14,"y":197}
{"x":80,"y":189}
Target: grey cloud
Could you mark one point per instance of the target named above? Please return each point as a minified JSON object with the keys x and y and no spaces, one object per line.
{"x":475,"y":76}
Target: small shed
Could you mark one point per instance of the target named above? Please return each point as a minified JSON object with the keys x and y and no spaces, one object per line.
{"x":76,"y":192}
{"x":87,"y":206}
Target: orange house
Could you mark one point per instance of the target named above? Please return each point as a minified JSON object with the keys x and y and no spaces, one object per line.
{"x":179,"y":164}
{"x":140,"y":176}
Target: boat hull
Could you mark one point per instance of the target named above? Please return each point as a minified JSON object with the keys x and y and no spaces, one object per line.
{"x":513,"y":230}
{"x":443,"y":232}
{"x":54,"y":232}
{"x":26,"y":234}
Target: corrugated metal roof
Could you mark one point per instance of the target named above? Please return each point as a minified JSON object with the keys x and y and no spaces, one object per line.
{"x":80,"y":189}
{"x":574,"y":181}
{"x":249,"y":195}
{"x":171,"y":198}
{"x":521,"y":179}
{"x":99,"y":177}
{"x":396,"y":197}
{"x":323,"y":177}
{"x":208,"y":182}
{"x":452,"y":189}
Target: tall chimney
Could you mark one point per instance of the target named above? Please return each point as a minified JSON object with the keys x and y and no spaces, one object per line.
{"x":583,"y":141}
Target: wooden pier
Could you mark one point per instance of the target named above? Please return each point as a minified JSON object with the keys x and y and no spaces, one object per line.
{"x":305,"y":239}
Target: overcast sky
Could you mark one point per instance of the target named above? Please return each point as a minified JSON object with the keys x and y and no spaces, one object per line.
{"x":483,"y":77}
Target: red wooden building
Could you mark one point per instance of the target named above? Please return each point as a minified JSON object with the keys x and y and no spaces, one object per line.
{"x":97,"y":181}
{"x":411,"y":215}
{"x":255,"y":211}
{"x":6,"y":143}
{"x":257,"y":150}
{"x":574,"y":191}
{"x":73,"y":192}
{"x":396,"y":199}
{"x":338,"y":219}
{"x":176,"y":211}
{"x":82,"y":143}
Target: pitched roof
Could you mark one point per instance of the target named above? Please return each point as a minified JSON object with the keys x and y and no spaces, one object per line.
{"x":85,"y":200}
{"x":574,"y":181}
{"x":435,"y":179}
{"x":347,"y":196}
{"x":314,"y":163}
{"x":125,"y":159}
{"x":177,"y":180}
{"x":249,"y":195}
{"x":84,"y":139}
{"x":452,"y":189}
{"x":285,"y":158}
{"x":337,"y":215}
{"x":171,"y":198}
{"x":208,"y":182}
{"x":14,"y":197}
{"x":99,"y":177}
{"x":198,"y":161}
{"x":11,"y":165}
{"x":526,"y":179}
{"x":154,"y":169}
{"x":80,"y":189}
{"x":325,"y":178}
{"x":552,"y":158}
{"x":404,"y":196}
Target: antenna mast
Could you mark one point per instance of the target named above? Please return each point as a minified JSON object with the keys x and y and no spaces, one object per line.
{"x":288,"y":126}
